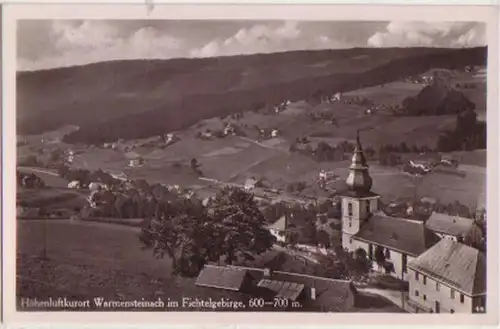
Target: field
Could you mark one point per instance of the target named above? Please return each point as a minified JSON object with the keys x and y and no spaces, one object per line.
{"x":50,"y":177}
{"x":52,"y":198}
{"x":235,"y":158}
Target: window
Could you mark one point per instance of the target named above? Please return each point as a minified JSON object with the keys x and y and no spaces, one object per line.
{"x":425,"y":297}
{"x":416,"y":276}
{"x":437,"y":307}
{"x":349,"y":209}
{"x":350,"y":222}
{"x":425,"y":279}
{"x":437,"y":286}
{"x":452,"y":311}
{"x":368,"y":210}
{"x":387,"y":254}
{"x":452,"y":294}
{"x":417,"y":293}
{"x":462,"y":298}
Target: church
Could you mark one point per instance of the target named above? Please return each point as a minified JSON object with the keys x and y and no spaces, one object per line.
{"x":390,"y":243}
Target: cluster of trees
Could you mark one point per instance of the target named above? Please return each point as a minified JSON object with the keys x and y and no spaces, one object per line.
{"x":404,"y":148}
{"x":436,"y":99}
{"x":29,"y":180}
{"x":230,"y":227}
{"x":466,"y":85}
{"x":344,"y":265}
{"x":324,"y":152}
{"x":469,"y":134}
{"x":296,"y":187}
{"x":323,"y":116}
{"x":85,"y":176}
{"x":190,"y":108}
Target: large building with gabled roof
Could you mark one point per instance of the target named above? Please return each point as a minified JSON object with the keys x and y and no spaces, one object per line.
{"x":450,"y":277}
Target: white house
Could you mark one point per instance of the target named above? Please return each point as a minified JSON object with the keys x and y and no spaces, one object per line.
{"x":450,"y":277}
{"x":251,"y":183}
{"x":74,"y":184}
{"x":136,"y":162}
{"x":278,"y":229}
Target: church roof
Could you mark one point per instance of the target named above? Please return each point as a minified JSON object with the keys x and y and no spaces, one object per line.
{"x":454,"y":264}
{"x":406,"y":236}
{"x":359,"y":177}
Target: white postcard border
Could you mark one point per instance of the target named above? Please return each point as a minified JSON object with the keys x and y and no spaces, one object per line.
{"x":11,"y":13}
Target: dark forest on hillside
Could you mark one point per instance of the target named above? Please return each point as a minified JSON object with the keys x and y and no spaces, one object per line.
{"x":103,"y":117}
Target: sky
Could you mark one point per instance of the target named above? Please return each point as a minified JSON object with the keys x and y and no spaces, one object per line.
{"x":44,"y":44}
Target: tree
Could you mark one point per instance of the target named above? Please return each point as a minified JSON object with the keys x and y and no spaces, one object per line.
{"x":55,"y":156}
{"x":178,"y":232}
{"x":192,"y":235}
{"x":370,"y":153}
{"x":195,"y":166}
{"x":240,"y":223}
{"x":324,"y":152}
{"x":379,"y":255}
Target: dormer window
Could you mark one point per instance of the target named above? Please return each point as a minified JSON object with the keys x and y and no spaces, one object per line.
{"x":349,"y":209}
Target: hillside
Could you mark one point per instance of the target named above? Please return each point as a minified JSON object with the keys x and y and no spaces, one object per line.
{"x":107,"y":100}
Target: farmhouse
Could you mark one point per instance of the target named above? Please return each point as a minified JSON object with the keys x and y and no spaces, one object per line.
{"x":251,"y":183}
{"x":134,"y":163}
{"x":310,"y":292}
{"x":388,"y":241}
{"x":455,"y":228}
{"x":278,"y":229}
{"x":74,"y":184}
{"x":449,"y":277}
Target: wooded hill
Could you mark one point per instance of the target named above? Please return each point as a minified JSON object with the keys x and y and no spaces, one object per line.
{"x":141,"y":98}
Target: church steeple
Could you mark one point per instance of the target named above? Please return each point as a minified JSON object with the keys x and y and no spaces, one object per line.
{"x":359,"y":179}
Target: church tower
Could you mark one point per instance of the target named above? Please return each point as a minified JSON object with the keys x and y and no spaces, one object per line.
{"x":358,"y":202}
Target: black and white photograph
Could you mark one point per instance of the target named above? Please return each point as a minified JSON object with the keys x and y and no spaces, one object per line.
{"x":264,"y":165}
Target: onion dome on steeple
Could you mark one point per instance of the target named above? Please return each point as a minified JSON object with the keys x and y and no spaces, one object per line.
{"x":359,"y":179}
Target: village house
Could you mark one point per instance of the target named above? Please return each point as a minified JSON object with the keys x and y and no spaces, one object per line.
{"x":279,"y":229}
{"x":455,"y":228}
{"x":134,"y":163}
{"x":310,"y":292}
{"x":388,"y":241}
{"x":450,"y":277}
{"x":251,"y":183}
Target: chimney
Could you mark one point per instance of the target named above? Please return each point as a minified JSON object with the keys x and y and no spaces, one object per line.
{"x":313,"y":293}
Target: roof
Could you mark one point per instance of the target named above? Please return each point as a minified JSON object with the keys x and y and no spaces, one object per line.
{"x":132,"y":155}
{"x":288,"y":290}
{"x":407,"y":236}
{"x":454,"y":264}
{"x":331,"y":294}
{"x":447,"y":224}
{"x":279,"y":225}
{"x":251,"y":181}
{"x":221,"y":277}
